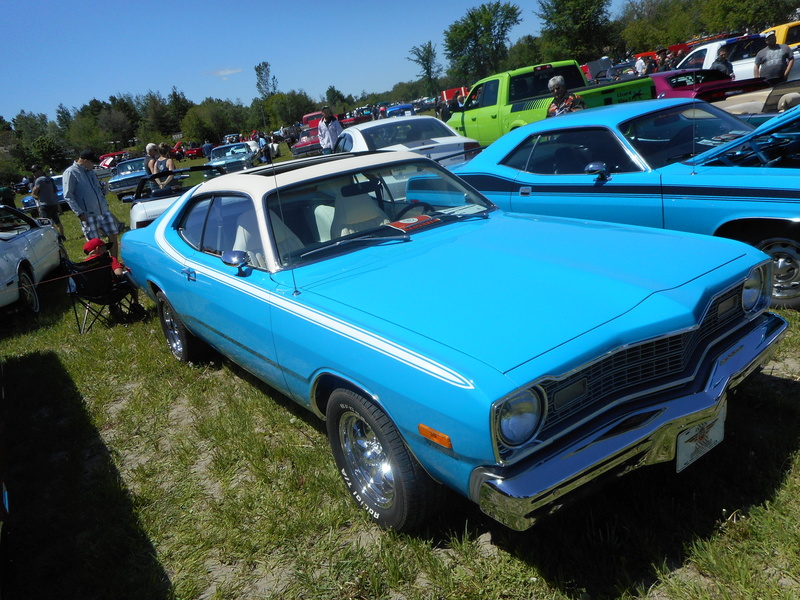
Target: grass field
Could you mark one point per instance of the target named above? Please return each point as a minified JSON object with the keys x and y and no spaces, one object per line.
{"x":134,"y":476}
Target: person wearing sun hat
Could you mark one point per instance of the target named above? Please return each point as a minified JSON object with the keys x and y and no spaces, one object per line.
{"x":84,"y":196}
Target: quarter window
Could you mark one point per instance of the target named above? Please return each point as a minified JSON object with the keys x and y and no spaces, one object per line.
{"x":568,"y":152}
{"x":213,"y":224}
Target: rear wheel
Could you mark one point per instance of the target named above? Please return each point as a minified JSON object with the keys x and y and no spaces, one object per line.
{"x":28,"y":297}
{"x":785,"y":255}
{"x":182,"y":343}
{"x":380,"y":473}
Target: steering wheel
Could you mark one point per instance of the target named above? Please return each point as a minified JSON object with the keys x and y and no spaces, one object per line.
{"x":426,"y":208}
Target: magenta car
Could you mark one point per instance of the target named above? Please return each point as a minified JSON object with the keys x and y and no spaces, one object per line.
{"x":704,"y":84}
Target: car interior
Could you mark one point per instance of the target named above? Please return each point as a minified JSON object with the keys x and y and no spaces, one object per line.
{"x":309,"y":217}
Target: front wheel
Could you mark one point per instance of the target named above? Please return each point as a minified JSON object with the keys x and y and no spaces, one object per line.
{"x":28,"y":297}
{"x":182,"y":343}
{"x":381,"y":475}
{"x":785,"y":255}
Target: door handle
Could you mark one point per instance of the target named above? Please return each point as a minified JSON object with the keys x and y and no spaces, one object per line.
{"x":525,"y":191}
{"x":190,"y":274}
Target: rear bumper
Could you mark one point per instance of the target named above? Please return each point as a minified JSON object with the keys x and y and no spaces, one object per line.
{"x":518,"y":495}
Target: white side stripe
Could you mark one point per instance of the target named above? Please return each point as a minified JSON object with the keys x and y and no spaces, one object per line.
{"x":357,"y":334}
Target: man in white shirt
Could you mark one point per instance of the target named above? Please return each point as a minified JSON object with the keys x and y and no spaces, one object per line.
{"x":328,"y":130}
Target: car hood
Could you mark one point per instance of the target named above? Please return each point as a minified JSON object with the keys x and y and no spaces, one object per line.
{"x":129,"y":175}
{"x":504,"y":290}
{"x":775,"y":124}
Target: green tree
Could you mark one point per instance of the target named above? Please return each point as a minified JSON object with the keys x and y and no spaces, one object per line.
{"x":646,"y":24}
{"x":156,"y":117}
{"x":526,"y":51}
{"x":195,"y":126}
{"x":574,"y":29}
{"x":425,"y":57}
{"x":266,"y":84}
{"x":84,"y":133}
{"x":117,"y":127}
{"x":288,"y":108}
{"x":63,"y":118}
{"x":29,"y":126}
{"x":335,"y":99}
{"x":727,"y":15}
{"x":48,"y":151}
{"x":177,"y":107}
{"x":476,"y":45}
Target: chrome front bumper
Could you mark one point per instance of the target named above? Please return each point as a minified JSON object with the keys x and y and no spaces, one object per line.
{"x":518,"y":495}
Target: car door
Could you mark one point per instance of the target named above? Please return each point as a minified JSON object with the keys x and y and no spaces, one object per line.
{"x":551,"y":178}
{"x":229,"y":307}
{"x":481,"y":113}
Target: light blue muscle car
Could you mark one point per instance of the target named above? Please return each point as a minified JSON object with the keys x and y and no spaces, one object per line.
{"x":673,"y":164}
{"x":438,"y":336}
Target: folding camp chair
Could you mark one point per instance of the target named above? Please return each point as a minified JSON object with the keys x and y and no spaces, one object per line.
{"x":93,"y":286}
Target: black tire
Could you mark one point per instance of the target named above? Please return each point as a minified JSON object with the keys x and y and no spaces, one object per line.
{"x":182,"y":343}
{"x":365,"y":442}
{"x":28,"y":297}
{"x":785,"y":255}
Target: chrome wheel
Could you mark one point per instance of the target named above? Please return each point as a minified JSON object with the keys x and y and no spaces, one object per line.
{"x":171,"y":330}
{"x":785,"y":255}
{"x":382,"y":477}
{"x":366,"y":460}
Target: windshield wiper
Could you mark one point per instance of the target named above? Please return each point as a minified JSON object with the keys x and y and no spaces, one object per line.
{"x":461,"y":213}
{"x":362,"y":238}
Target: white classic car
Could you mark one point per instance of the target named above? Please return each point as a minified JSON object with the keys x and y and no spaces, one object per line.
{"x":29,"y":250}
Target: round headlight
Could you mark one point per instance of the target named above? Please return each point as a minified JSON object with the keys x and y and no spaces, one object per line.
{"x":753,"y":290}
{"x":519,"y":417}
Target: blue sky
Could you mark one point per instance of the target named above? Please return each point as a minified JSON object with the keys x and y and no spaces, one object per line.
{"x":68,"y":52}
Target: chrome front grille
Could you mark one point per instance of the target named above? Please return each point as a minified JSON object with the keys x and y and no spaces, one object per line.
{"x":641,"y":367}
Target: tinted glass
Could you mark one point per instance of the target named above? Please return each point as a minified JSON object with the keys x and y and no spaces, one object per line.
{"x":569,"y":152}
{"x":680,"y":132}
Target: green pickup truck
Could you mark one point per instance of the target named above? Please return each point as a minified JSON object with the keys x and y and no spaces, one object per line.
{"x":505,"y":101}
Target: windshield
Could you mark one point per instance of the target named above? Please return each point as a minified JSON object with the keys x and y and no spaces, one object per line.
{"x":129,"y":166}
{"x":383,"y":204}
{"x":404,"y":132}
{"x":680,"y":132}
{"x":233,"y":150}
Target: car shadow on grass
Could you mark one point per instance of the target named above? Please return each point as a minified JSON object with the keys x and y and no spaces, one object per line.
{"x":73,"y":530}
{"x":609,"y":542}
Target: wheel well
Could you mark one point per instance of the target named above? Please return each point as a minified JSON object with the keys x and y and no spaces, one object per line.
{"x":323,"y":388}
{"x":753,"y":231}
{"x":154,"y":289}
{"x":26,"y":266}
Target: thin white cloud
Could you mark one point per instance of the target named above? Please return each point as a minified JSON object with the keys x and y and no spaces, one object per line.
{"x":223,"y":73}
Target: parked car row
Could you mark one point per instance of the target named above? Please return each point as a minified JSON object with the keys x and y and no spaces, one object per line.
{"x":279,"y":267}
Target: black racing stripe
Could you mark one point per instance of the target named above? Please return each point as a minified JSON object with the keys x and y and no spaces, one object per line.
{"x":490,"y":183}
{"x":730,"y":192}
{"x":494,"y":184}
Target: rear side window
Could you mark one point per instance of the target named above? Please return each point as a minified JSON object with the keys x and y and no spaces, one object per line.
{"x":694,"y":60}
{"x":744,"y":49}
{"x":568,"y":152}
{"x":344,"y":143}
{"x":793,"y":35}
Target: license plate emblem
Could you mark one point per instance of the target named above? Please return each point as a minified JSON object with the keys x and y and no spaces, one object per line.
{"x":699,"y":439}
